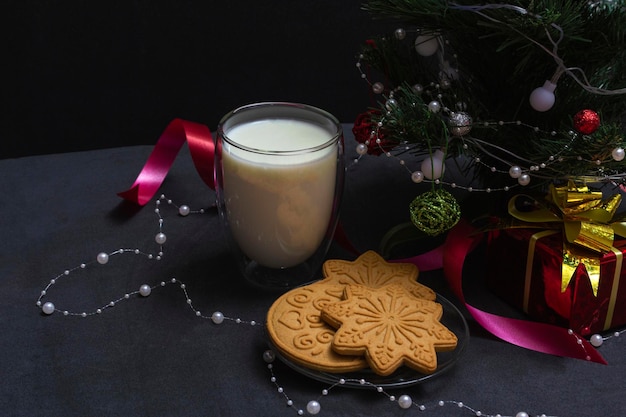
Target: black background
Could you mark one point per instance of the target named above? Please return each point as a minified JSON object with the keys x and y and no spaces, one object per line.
{"x":101,"y":74}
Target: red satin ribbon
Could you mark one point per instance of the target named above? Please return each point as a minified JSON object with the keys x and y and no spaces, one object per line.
{"x":177,"y":132}
{"x":531,"y":335}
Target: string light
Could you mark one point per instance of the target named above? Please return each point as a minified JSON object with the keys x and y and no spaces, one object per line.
{"x":552,"y":51}
{"x":474,"y":147}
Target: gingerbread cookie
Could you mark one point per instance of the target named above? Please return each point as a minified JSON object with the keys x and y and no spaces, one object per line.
{"x":294,"y":324}
{"x":297,"y":331}
{"x":371,"y":270}
{"x":390,"y":327}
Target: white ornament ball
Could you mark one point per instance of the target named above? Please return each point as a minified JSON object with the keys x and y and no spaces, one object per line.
{"x":542,"y":98}
{"x":434,"y":167}
{"x":460,"y":123}
{"x":426,"y":45}
{"x":618,"y":154}
{"x":400,"y":33}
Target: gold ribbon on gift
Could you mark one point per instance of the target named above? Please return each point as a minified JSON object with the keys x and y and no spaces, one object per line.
{"x":619,"y":257}
{"x":587,"y":222}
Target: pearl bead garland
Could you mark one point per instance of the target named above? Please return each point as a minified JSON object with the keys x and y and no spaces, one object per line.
{"x":313,"y":407}
{"x":541,"y":99}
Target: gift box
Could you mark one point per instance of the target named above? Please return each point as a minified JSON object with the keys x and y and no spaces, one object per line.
{"x":557,"y":283}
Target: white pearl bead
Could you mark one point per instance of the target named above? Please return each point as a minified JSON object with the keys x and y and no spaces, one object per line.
{"x":524,"y":179}
{"x":521,"y":414}
{"x":391,"y":104}
{"x":269,"y":356}
{"x":400,"y":33}
{"x":184,"y":210}
{"x":217,"y":317}
{"x":313,"y":407}
{"x":48,"y":308}
{"x":515,"y":171}
{"x":434,"y":106}
{"x":596,"y":340}
{"x":417,"y":177}
{"x":378,"y":87}
{"x":145,"y":290}
{"x":405,"y":401}
{"x":102,"y":258}
{"x":160,"y":238}
{"x":361,"y":149}
{"x":618,"y":154}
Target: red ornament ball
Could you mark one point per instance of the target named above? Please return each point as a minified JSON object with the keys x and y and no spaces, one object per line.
{"x":586,"y":121}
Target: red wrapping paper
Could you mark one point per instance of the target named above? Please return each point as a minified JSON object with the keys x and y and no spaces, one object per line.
{"x":532,"y":281}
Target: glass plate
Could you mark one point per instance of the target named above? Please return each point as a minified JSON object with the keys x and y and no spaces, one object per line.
{"x":404,"y":376}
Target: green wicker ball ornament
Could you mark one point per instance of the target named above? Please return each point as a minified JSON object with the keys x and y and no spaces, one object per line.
{"x":435,"y":212}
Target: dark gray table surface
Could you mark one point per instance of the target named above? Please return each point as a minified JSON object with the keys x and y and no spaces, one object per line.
{"x":153,"y":357}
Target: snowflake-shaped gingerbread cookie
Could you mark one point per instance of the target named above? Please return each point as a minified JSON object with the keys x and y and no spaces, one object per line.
{"x":390,"y":327}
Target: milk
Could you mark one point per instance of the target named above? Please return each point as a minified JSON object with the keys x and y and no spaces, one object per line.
{"x":279,"y":203}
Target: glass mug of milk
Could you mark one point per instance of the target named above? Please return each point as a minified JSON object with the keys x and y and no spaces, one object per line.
{"x":279,"y":181}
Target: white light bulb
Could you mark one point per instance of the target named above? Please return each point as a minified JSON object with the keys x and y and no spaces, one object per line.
{"x":426,"y":45}
{"x":434,"y":167}
{"x":542,"y":98}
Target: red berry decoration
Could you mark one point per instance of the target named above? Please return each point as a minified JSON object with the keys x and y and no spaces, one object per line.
{"x":586,"y":121}
{"x":362,"y":129}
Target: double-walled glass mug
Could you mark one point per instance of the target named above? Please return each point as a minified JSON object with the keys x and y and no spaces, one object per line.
{"x":279,"y":180}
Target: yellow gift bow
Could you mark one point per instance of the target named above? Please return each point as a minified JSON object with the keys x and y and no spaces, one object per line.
{"x":587,"y":223}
